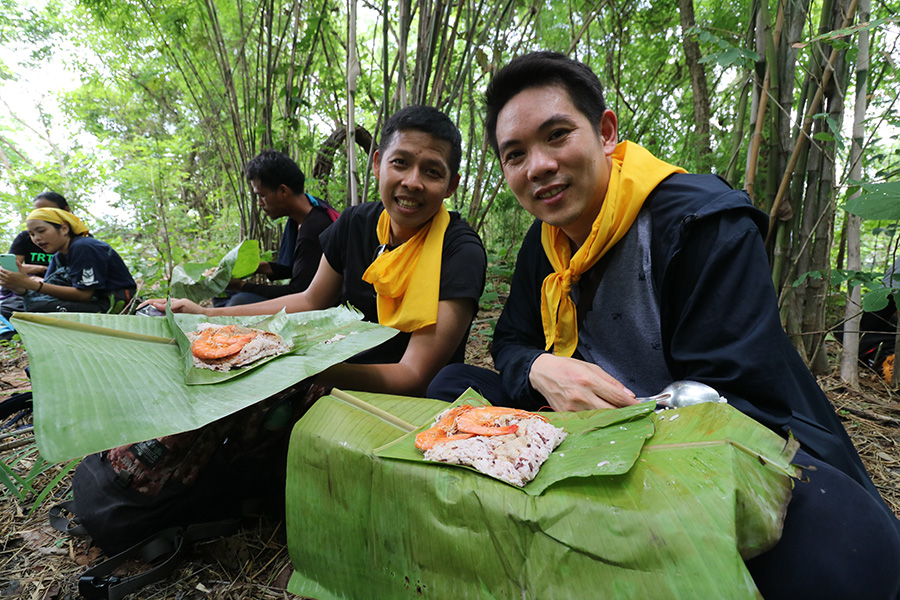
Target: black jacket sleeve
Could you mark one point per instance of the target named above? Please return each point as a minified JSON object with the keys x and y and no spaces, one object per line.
{"x":519,"y":334}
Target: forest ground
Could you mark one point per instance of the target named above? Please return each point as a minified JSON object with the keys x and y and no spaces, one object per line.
{"x":39,"y":563}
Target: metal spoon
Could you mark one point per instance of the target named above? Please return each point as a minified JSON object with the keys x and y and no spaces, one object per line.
{"x":684,"y":393}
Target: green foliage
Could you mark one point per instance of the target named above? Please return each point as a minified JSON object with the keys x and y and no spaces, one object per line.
{"x":23,"y":475}
{"x":876,"y":201}
{"x":724,"y":53}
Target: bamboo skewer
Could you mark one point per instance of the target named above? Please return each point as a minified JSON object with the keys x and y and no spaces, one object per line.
{"x":86,"y":327}
{"x":363,"y":405}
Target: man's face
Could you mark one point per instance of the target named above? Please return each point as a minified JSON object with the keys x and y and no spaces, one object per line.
{"x":272,"y":202}
{"x":413,"y":177}
{"x":553,"y":158}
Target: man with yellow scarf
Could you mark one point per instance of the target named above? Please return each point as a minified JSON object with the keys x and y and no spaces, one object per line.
{"x":406,"y":262}
{"x":636,"y":274}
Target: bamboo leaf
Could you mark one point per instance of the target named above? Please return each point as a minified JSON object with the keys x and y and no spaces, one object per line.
{"x":93,"y":392}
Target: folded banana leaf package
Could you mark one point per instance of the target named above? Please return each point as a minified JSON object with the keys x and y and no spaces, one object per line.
{"x":632,"y":504}
{"x":199,"y":281}
{"x":101,"y":381}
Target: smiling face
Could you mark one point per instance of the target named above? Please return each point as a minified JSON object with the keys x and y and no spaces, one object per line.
{"x":554,"y":159}
{"x":47,"y":237}
{"x":272,"y":202}
{"x":414,"y":177}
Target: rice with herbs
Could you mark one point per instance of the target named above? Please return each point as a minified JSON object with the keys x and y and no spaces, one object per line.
{"x":514,"y":458}
{"x":264,"y":344}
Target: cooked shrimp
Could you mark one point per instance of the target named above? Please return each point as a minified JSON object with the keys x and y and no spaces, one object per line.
{"x":444,"y":430}
{"x":490,"y":420}
{"x":221,"y":342}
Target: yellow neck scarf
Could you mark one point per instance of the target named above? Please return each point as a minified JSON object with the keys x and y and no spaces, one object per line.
{"x":408,"y":278}
{"x":634,"y":174}
{"x":60,"y":217}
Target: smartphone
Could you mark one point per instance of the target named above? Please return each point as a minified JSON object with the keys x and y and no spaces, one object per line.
{"x":8,"y":262}
{"x":149,"y":311}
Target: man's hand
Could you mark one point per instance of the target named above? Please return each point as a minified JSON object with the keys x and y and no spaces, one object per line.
{"x":179,"y":305}
{"x":235,"y":284}
{"x":572,"y":384}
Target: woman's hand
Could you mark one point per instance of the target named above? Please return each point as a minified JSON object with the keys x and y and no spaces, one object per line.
{"x":179,"y":305}
{"x":18,"y":282}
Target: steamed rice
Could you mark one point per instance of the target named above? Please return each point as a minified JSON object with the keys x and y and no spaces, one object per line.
{"x":514,"y":458}
{"x":266,"y":343}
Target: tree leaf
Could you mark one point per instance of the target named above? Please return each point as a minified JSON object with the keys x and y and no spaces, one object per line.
{"x":876,"y":201}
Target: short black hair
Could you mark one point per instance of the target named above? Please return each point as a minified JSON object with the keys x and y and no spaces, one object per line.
{"x":53,"y":197}
{"x":539,"y":69}
{"x":274,"y":168}
{"x":426,"y":119}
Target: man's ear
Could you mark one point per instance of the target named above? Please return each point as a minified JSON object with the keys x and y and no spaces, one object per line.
{"x":609,"y":130}
{"x":451,"y":187}
{"x":376,"y":163}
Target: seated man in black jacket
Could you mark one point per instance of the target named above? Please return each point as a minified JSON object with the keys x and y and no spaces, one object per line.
{"x":636,"y":274}
{"x":279,"y":183}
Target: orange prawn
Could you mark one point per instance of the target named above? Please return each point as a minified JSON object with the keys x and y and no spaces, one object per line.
{"x":221,"y":342}
{"x":444,"y":430}
{"x":485,"y":420}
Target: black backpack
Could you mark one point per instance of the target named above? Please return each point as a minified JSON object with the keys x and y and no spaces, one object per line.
{"x":150,"y":499}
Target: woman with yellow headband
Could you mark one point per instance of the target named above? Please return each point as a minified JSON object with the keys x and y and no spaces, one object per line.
{"x":84,"y":275}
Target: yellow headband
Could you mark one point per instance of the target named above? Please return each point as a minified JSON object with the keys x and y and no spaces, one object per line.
{"x":60,"y":217}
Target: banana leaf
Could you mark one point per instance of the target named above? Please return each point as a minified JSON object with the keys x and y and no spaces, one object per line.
{"x":290,"y":330}
{"x":101,"y":381}
{"x":709,"y":489}
{"x":190,"y":281}
{"x":617,"y":436}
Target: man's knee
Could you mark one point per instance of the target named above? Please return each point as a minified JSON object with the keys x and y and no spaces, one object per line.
{"x":450,"y":383}
{"x":838,"y":542}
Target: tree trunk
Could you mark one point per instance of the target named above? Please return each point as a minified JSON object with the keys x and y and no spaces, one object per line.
{"x":352,"y":76}
{"x":853,"y":310}
{"x":698,"y":86}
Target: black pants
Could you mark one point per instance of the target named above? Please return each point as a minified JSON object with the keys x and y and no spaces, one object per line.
{"x":839,"y":542}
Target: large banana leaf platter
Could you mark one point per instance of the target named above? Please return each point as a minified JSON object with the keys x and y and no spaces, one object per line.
{"x":191,"y":280}
{"x":707,"y":490}
{"x":102,"y":381}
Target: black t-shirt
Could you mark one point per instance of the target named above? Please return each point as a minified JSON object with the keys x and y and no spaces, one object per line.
{"x":23,"y":246}
{"x":350,"y":246}
{"x":307,"y":253}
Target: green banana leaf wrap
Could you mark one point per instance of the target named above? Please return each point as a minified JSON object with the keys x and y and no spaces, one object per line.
{"x":102,"y":381}
{"x":290,"y":330}
{"x":707,"y":490}
{"x":189,"y":281}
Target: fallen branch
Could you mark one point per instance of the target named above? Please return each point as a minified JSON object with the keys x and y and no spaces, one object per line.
{"x":872,"y":416}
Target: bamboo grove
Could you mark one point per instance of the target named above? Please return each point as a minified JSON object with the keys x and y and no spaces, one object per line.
{"x":793,"y":100}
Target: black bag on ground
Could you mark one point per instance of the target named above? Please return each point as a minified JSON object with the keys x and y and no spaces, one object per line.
{"x":148,"y":498}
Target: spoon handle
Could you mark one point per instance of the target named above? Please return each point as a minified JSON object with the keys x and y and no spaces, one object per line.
{"x":655,"y":398}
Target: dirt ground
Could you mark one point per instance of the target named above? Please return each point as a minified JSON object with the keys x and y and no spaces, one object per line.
{"x":38,"y":563}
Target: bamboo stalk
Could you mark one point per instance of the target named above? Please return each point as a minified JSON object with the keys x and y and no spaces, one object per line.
{"x":87,"y":328}
{"x":363,"y":405}
{"x":803,"y":134}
